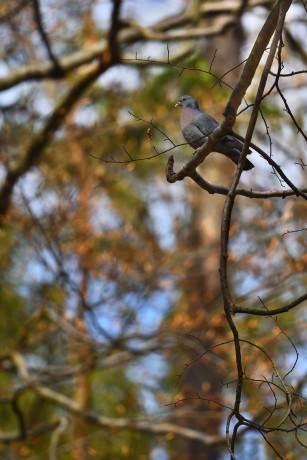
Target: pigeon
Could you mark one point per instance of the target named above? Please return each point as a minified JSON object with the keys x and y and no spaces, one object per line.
{"x":197,"y":125}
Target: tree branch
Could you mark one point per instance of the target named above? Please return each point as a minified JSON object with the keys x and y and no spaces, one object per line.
{"x":275,"y":20}
{"x":146,"y":424}
{"x":45,"y":39}
{"x":273,"y":312}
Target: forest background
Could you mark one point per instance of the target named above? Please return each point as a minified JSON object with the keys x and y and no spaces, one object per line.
{"x":141,"y":316}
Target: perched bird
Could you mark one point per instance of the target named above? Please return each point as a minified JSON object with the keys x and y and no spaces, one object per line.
{"x":197,"y":125}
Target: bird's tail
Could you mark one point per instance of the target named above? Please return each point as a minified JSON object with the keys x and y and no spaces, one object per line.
{"x":248,"y":165}
{"x":233,"y":154}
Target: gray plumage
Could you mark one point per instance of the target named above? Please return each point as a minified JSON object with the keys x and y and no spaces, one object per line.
{"x":197,"y":125}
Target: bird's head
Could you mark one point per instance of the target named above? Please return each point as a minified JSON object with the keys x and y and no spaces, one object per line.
{"x":187,"y":101}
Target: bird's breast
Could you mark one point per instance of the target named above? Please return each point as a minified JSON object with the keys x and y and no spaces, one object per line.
{"x":187,"y":116}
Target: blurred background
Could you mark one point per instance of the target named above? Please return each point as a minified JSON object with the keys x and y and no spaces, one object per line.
{"x":109,"y":286}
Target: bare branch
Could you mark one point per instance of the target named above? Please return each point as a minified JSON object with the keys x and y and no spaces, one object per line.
{"x":294,"y":231}
{"x":275,"y":311}
{"x":275,"y":19}
{"x":45,"y":39}
{"x":52,"y":124}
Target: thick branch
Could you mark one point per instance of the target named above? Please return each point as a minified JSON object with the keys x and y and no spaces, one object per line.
{"x":252,"y":63}
{"x":263,"y":38}
{"x":275,"y":20}
{"x":130,"y":33}
{"x":22,"y":165}
{"x":148,"y":425}
{"x":34,"y":432}
{"x":47,"y":69}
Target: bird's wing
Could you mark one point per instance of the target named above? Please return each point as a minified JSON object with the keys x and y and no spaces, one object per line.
{"x":233,"y":143}
{"x":205,"y":123}
{"x":193,"y":135}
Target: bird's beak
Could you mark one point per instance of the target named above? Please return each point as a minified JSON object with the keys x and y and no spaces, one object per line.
{"x":178,"y":104}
